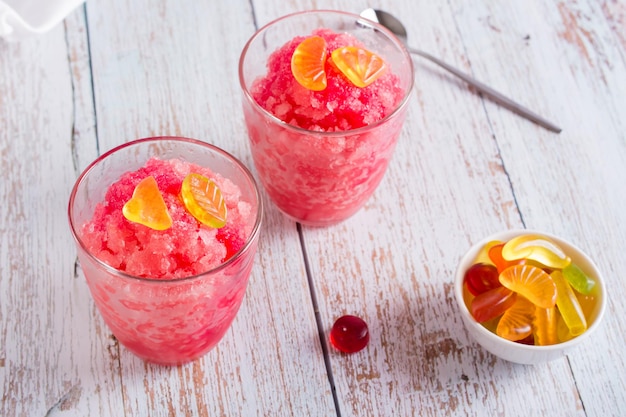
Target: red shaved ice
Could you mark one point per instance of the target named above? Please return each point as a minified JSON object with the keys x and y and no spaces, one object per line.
{"x":340,"y":106}
{"x":187,"y":248}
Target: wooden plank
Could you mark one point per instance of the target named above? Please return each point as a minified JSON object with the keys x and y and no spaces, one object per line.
{"x":572,"y":184}
{"x":84,"y":129}
{"x":53,"y":351}
{"x":448,"y":186}
{"x":464,"y":168}
{"x":172,"y":73}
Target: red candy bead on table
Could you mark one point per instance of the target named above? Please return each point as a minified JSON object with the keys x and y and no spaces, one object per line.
{"x":349,"y":334}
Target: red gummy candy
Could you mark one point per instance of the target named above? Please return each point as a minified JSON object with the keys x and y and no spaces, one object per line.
{"x":349,"y":334}
{"x":481,"y":278}
{"x":492,"y":304}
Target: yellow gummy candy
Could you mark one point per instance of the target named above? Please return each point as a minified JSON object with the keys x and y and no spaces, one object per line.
{"x":537,"y":248}
{"x":359,"y":65}
{"x":562,"y":331}
{"x":568,"y":305}
{"x":483,"y":255}
{"x":204,"y":200}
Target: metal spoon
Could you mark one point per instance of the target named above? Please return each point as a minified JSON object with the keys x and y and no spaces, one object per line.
{"x":398,"y":29}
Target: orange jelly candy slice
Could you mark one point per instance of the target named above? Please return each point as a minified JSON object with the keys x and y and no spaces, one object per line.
{"x":531,"y":282}
{"x":359,"y":65}
{"x":147,"y":206}
{"x":307,"y":63}
{"x":517,"y":322}
{"x":204,"y":200}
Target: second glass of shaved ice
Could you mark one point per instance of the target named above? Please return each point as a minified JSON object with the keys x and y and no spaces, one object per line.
{"x":321,"y":154}
{"x":170,"y":295}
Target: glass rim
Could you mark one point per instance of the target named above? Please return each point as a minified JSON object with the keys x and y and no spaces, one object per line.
{"x":342,"y":133}
{"x":114,"y":271}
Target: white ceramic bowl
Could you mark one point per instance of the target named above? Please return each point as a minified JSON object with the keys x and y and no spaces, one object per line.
{"x":517,"y":352}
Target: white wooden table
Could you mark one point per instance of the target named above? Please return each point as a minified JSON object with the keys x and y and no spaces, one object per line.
{"x":464,"y":168}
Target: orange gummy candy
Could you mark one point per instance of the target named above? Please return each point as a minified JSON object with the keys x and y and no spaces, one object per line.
{"x":204,"y":200}
{"x":517,"y":322}
{"x":359,"y":65}
{"x":147,"y":206}
{"x":495,"y":255}
{"x":307,"y":63}
{"x":531,"y":282}
{"x":544,"y":326}
{"x":483,"y":255}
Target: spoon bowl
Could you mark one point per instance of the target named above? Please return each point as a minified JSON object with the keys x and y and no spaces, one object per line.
{"x":397,"y":28}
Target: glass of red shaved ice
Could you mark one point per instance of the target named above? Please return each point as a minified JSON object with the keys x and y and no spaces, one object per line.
{"x":167,"y":295}
{"x":321,"y":154}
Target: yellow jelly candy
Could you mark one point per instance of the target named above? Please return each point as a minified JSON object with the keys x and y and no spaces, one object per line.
{"x":562,"y":331}
{"x":204,"y":200}
{"x":359,"y":65}
{"x":537,"y":248}
{"x":307,"y":63}
{"x":588,"y":303}
{"x":530,"y":282}
{"x":483,"y":255}
{"x":568,"y":305}
{"x":147,"y":206}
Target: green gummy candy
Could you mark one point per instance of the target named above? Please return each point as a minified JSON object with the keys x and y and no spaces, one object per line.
{"x":579,"y":281}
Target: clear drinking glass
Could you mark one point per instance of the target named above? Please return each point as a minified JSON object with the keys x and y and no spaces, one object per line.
{"x":321,"y":178}
{"x":166,"y":321}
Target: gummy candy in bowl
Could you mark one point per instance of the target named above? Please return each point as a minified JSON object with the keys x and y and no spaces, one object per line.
{"x":528,"y":296}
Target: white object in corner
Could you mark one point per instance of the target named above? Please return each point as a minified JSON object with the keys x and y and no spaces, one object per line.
{"x":22,"y":18}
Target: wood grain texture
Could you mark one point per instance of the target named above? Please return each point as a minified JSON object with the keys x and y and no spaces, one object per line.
{"x":460,"y":174}
{"x":571,"y":185}
{"x":175,"y":75}
{"x":53,"y":352}
{"x":463,"y":168}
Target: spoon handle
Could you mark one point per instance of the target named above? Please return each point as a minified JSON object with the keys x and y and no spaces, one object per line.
{"x":495,"y":96}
